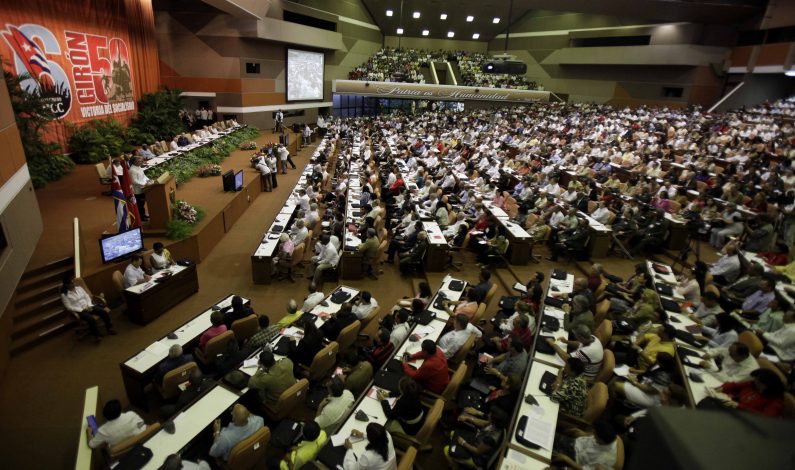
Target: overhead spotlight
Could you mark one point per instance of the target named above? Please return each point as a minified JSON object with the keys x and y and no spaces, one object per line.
{"x":425,"y":32}
{"x":495,"y":20}
{"x":390,"y":13}
{"x":476,"y":36}
{"x":470,"y":19}
{"x":790,"y":73}
{"x":416,"y":15}
{"x":443,"y":16}
{"x":400,"y":30}
{"x":450,"y":34}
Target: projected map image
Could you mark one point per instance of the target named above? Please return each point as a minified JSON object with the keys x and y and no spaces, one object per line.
{"x":121,"y":245}
{"x":304,"y":75}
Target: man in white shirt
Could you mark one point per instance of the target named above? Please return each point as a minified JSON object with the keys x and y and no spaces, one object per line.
{"x":76,"y":300}
{"x":313,"y":299}
{"x":782,"y":341}
{"x":401,"y":329}
{"x":271,"y":161}
{"x":452,"y":341}
{"x":299,"y":232}
{"x":145,"y":153}
{"x":601,"y":214}
{"x":303,"y":200}
{"x":118,"y":426}
{"x":284,"y":155}
{"x":139,"y":183}
{"x":727,"y":268}
{"x":364,"y":306}
{"x":335,"y":407}
{"x":327,"y":260}
{"x":265,"y":171}
{"x":134,"y":275}
{"x":173,"y":145}
{"x":736,"y":366}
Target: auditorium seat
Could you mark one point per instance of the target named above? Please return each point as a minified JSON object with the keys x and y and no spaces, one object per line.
{"x":214,"y":347}
{"x":173,"y":379}
{"x":450,"y":392}
{"x":287,"y":402}
{"x":422,"y":440}
{"x":322,"y":364}
{"x":245,"y":328}
{"x":117,"y":451}
{"x":250,"y":452}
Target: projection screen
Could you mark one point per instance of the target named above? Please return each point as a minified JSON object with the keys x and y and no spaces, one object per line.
{"x":304,"y":75}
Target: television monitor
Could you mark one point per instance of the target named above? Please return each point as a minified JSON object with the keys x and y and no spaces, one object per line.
{"x":228,"y":179}
{"x":239,"y":180}
{"x":121,"y":245}
{"x":304,"y":75}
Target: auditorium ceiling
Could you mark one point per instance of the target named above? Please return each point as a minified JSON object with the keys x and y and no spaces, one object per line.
{"x":484,"y":12}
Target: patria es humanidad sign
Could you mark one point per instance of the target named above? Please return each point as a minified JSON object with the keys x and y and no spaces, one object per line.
{"x":437,"y":92}
{"x":82,"y":76}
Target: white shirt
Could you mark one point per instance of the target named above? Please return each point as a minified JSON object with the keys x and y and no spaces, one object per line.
{"x":399,"y":334}
{"x":139,"y":179}
{"x":335,"y":411}
{"x":133,"y":276}
{"x":263,"y":168}
{"x":727,"y":266}
{"x":362,"y":310}
{"x":782,"y":341}
{"x":173,"y":145}
{"x":590,"y":453}
{"x":733,"y":371}
{"x":200,"y":465}
{"x":300,"y":235}
{"x":371,"y":460}
{"x":312,"y":300}
{"x":452,"y":341}
{"x":127,"y":425}
{"x":601,"y":215}
{"x":329,"y":255}
{"x":76,"y":300}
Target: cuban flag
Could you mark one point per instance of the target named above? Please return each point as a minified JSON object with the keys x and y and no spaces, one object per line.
{"x":130,"y":213}
{"x":119,"y":203}
{"x":30,"y":54}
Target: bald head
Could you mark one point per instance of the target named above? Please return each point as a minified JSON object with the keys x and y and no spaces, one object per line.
{"x":240,"y":415}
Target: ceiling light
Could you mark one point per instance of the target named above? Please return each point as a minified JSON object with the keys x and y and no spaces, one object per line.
{"x":425,"y":32}
{"x":790,"y":73}
{"x":390,"y":13}
{"x":470,"y":19}
{"x":450,"y":34}
{"x":495,"y":20}
{"x":476,"y":36}
{"x":416,"y":15}
{"x":443,"y":16}
{"x":400,"y":30}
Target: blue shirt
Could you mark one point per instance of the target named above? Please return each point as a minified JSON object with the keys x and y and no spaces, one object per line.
{"x":232,"y":435}
{"x":758,"y":301}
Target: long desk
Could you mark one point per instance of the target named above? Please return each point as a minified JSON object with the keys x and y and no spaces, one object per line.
{"x":139,"y":370}
{"x":519,"y":246}
{"x":188,"y":424}
{"x":165,"y":157}
{"x":90,"y":407}
{"x":149,"y":300}
{"x":543,"y":417}
{"x":351,"y":260}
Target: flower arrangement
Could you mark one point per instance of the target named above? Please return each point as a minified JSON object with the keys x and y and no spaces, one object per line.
{"x":251,"y":145}
{"x":186,"y":212}
{"x":211,"y":169}
{"x":185,"y":218}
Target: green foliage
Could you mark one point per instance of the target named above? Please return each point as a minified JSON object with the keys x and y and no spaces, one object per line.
{"x":98,"y":140}
{"x":32,"y":113}
{"x":186,"y":166}
{"x":158,"y":114}
{"x":178,"y":229}
{"x":184,"y":219}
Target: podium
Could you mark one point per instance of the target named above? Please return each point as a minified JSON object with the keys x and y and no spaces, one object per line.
{"x":160,"y":198}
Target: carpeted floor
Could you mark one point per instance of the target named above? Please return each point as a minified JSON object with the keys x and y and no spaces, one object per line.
{"x":42,"y":395}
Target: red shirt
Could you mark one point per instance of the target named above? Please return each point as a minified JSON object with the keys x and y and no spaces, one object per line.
{"x":432,"y":374}
{"x":749,"y":399}
{"x":211,"y":333}
{"x":525,"y":335}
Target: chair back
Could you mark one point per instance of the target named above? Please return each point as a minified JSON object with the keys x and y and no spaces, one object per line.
{"x":611,"y":217}
{"x":766,"y":364}
{"x":118,"y":281}
{"x":674,"y":207}
{"x":451,"y":391}
{"x":601,"y":311}
{"x":102,"y":172}
{"x":288,"y":401}
{"x":459,"y":356}
{"x":604,"y":332}
{"x":608,"y":364}
{"x":173,"y":379}
{"x":348,"y":335}
{"x":591,"y":206}
{"x":490,"y":294}
{"x":323,"y":362}
{"x":407,"y":460}
{"x":596,"y":403}
{"x":369,"y":319}
{"x":215,"y":346}
{"x":250,"y":452}
{"x":79,"y":281}
{"x":147,"y":260}
{"x":619,"y":465}
{"x":245,"y":328}
{"x":431,"y":420}
{"x":121,"y":448}
{"x":753,"y":342}
{"x":298,"y":255}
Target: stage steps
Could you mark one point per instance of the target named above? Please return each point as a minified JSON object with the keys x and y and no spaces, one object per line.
{"x":38,"y":314}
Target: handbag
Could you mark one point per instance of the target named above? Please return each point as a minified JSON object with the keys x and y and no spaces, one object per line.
{"x":236,"y":379}
{"x":559,"y":274}
{"x":287,"y":433}
{"x":340,"y":296}
{"x":135,"y":458}
{"x":425,"y":317}
{"x":456,"y":285}
{"x":520,"y":433}
{"x":508,"y":302}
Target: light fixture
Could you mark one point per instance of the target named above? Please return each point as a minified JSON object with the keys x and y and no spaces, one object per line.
{"x":425,"y":32}
{"x":400,"y":30}
{"x":443,"y":16}
{"x":476,"y":36}
{"x":390,"y":13}
{"x":450,"y":34}
{"x":470,"y":19}
{"x":495,"y":20}
{"x":416,"y":15}
{"x":790,"y":73}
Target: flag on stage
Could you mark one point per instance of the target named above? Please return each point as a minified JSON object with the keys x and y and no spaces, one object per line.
{"x":119,"y":203}
{"x":134,"y":219}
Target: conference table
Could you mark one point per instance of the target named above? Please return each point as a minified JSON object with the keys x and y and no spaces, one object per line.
{"x":139,"y":370}
{"x":167,"y":288}
{"x":168,"y":156}
{"x":520,"y":244}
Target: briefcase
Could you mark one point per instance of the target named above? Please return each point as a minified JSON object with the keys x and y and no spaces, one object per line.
{"x":389,"y":380}
{"x":456,"y":285}
{"x":547,"y":380}
{"x":520,"y":433}
{"x":425,"y":317}
{"x":559,"y":274}
{"x":543,"y":347}
{"x":283,"y":347}
{"x":550,"y":324}
{"x":554,"y":302}
{"x":340,"y":296}
{"x":286,"y":433}
{"x":670,"y":306}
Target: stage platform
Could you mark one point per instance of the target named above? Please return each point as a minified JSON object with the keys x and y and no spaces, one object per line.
{"x":79,"y":195}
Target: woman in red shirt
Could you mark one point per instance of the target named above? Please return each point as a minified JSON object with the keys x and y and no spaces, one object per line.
{"x":764,"y":394}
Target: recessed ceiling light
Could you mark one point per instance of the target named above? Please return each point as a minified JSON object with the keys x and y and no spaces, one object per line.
{"x":450,"y":34}
{"x":425,"y":32}
{"x":443,"y":16}
{"x":470,"y":19}
{"x":495,"y":20}
{"x":400,"y":30}
{"x":476,"y":36}
{"x":790,"y":73}
{"x":416,"y":15}
{"x":390,"y":13}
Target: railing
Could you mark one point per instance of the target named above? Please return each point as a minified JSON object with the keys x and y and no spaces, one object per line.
{"x":76,"y":239}
{"x":433,"y":72}
{"x":452,"y":74}
{"x":725,"y":97}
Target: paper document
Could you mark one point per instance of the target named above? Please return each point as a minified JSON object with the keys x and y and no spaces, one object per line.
{"x":292,"y":331}
{"x":251,"y":362}
{"x":540,"y":433}
{"x":622,"y":370}
{"x":157,"y":348}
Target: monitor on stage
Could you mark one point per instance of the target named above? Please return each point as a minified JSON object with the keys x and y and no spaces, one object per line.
{"x":304,"y":75}
{"x":239,"y":180}
{"x":121,"y":245}
{"x":228,"y":180}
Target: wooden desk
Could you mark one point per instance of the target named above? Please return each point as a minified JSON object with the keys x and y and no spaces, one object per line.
{"x":146,"y":302}
{"x":139,"y":370}
{"x":84,"y":452}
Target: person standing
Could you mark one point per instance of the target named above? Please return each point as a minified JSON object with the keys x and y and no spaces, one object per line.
{"x":139,"y":183}
{"x":265,"y":171}
{"x":284,"y":155}
{"x":279,"y":121}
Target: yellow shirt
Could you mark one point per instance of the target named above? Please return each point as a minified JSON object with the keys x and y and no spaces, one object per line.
{"x":788,"y":270}
{"x":653,"y":347}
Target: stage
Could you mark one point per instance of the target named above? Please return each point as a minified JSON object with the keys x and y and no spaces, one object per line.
{"x":79,"y":195}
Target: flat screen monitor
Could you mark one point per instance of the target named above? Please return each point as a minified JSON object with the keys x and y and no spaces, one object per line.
{"x":121,"y":245}
{"x":239,"y":180}
{"x":304,"y":75}
{"x":228,"y":179}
